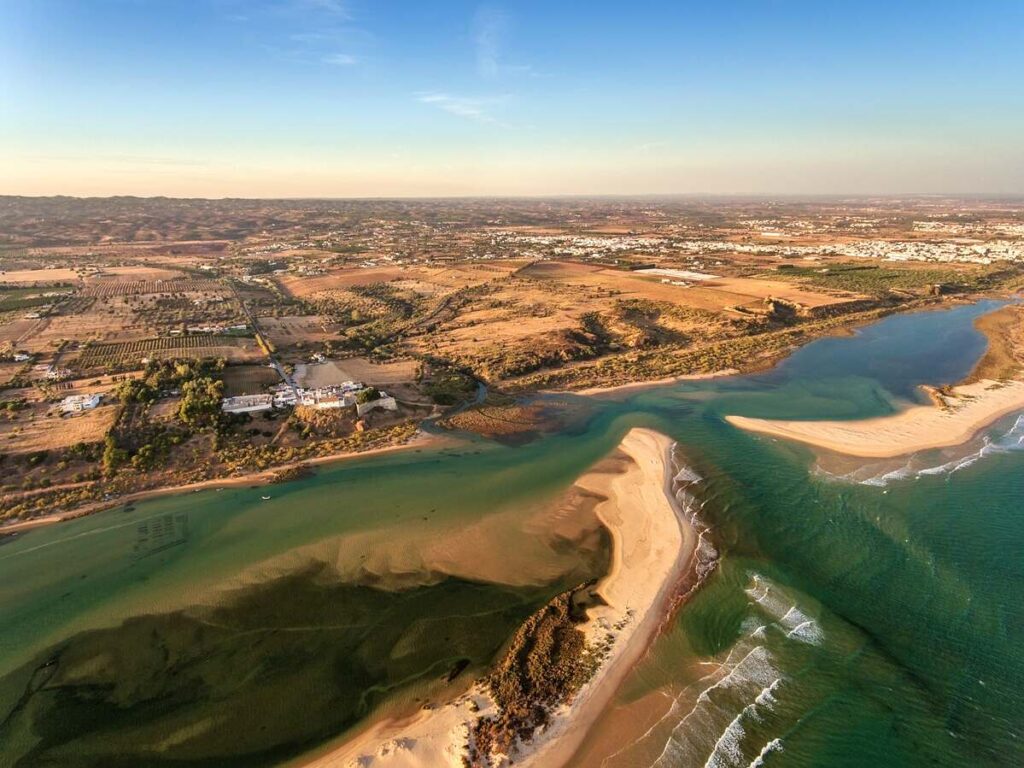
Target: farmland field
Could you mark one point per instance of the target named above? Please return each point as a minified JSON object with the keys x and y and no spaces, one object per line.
{"x":39,"y":276}
{"x":16,"y":332}
{"x":8,"y":370}
{"x":356,"y":369}
{"x":102,"y":288}
{"x":48,"y":430}
{"x":719,"y":294}
{"x":283,"y":331}
{"x":248,"y":379}
{"x":142,"y":272}
{"x":131,"y":352}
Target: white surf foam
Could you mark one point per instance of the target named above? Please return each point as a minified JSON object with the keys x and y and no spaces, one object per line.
{"x":1011,"y":440}
{"x":796,"y":624}
{"x":714,"y":721}
{"x":775,"y":745}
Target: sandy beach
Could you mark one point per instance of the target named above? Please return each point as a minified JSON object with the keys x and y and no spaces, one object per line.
{"x":952,"y":420}
{"x":651,"y":549}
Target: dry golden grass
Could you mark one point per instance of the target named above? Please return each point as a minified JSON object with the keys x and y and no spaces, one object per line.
{"x":39,"y":276}
{"x":424,"y":280}
{"x":18,"y":333}
{"x":716,"y":295}
{"x":7,"y":370}
{"x":48,"y":430}
{"x":358,"y":369}
{"x":110,"y":320}
{"x":301,"y":287}
{"x":762,"y":289}
{"x":284,"y":331}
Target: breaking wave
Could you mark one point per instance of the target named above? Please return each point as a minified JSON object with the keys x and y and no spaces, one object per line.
{"x":796,"y":624}
{"x":775,"y":745}
{"x":913,"y":468}
{"x":683,"y":480}
{"x":724,"y":726}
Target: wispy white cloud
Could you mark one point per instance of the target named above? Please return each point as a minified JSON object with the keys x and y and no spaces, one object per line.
{"x":336,"y":8}
{"x":340,"y":59}
{"x":470,"y":108}
{"x":245,"y":10}
{"x":489,"y":25}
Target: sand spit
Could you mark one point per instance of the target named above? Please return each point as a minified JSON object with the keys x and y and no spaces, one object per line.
{"x":652,"y":547}
{"x":955,"y":417}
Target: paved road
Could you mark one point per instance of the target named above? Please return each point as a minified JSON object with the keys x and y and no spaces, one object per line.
{"x":273,"y":357}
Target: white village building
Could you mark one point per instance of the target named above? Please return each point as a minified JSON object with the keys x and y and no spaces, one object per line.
{"x":79,"y":403}
{"x":247,"y":403}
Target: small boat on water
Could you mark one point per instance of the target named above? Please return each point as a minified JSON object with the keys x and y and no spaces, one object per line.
{"x":265,"y":498}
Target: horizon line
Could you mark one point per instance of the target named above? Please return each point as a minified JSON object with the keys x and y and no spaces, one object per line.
{"x":543,"y":196}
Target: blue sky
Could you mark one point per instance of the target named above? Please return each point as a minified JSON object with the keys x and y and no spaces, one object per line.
{"x":377,"y":97}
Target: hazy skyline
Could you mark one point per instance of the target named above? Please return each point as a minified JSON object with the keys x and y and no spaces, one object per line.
{"x":339,"y":98}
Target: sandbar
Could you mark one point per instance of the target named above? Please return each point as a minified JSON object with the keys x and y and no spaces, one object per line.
{"x":955,"y":416}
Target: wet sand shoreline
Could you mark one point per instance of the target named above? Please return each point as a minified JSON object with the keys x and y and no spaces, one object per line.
{"x":953,"y":419}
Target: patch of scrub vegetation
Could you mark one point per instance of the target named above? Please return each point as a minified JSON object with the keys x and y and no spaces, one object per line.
{"x":1004,"y":356}
{"x":590,"y":339}
{"x":873,"y":279}
{"x":448,"y":386}
{"x":545,"y":664}
{"x":273,"y":671}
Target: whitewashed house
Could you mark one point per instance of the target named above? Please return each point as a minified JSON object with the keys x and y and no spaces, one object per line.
{"x":79,"y":403}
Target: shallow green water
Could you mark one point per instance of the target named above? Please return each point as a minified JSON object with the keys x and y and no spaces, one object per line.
{"x":857,"y":624}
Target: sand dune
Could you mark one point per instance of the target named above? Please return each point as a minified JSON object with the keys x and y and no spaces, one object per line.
{"x":651,"y":549}
{"x":952,"y":420}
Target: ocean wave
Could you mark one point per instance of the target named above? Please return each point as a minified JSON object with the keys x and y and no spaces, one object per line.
{"x":796,"y":624}
{"x":690,"y":506}
{"x":727,"y":750}
{"x":713,"y":720}
{"x":724,"y":725}
{"x":686,"y":475}
{"x":1010,"y":441}
{"x":775,"y":745}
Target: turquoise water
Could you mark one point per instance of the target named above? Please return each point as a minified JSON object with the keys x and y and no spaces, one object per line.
{"x":845,"y":624}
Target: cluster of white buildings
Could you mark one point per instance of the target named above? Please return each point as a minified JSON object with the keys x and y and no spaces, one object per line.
{"x":583,"y":246}
{"x":53,"y":372}
{"x":344,"y":395}
{"x":79,"y":403}
{"x":958,"y":229}
{"x":211,"y":329}
{"x":986,"y":252}
{"x":978,"y":251}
